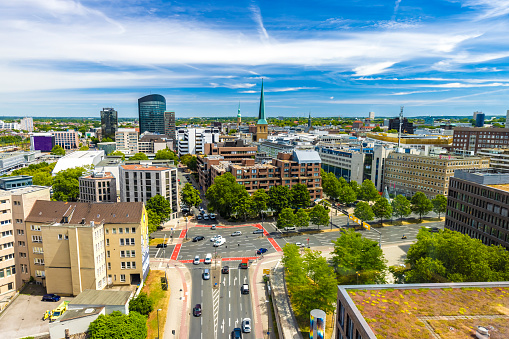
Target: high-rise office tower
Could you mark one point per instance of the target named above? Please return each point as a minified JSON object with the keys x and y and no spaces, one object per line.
{"x":169,"y":125}
{"x":371,"y":115}
{"x":151,"y":110}
{"x":109,"y":122}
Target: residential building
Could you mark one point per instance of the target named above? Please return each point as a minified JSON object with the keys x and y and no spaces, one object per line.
{"x":127,"y":140}
{"x":193,"y":140}
{"x":151,"y":110}
{"x":408,"y":174}
{"x":169,"y":126}
{"x":151,"y":143}
{"x":140,"y":182}
{"x":27,"y":124}
{"x":499,"y":157}
{"x":78,"y":159}
{"x":261,"y":124}
{"x":478,"y":205}
{"x":43,"y":142}
{"x":233,"y":151}
{"x":109,"y":123}
{"x":78,"y":246}
{"x":11,"y":161}
{"x":69,"y":139}
{"x":406,"y":127}
{"x":479,"y":119}
{"x":98,"y":187}
{"x":420,"y":310}
{"x":472,"y":139}
{"x":9,"y":125}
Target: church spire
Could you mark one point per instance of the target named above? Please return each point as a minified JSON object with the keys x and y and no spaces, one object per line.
{"x":261,"y":112}
{"x":238,"y":111}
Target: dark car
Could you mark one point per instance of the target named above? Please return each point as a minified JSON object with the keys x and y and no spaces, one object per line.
{"x":198,"y":238}
{"x":225,"y":270}
{"x":50,"y":297}
{"x":162,"y":245}
{"x":199,"y":217}
{"x":258,"y":231}
{"x":435,"y":229}
{"x":261,"y":250}
{"x":237,"y":333}
{"x":197,"y":310}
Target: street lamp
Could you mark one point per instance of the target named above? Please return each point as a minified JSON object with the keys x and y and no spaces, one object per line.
{"x":158,"y":322}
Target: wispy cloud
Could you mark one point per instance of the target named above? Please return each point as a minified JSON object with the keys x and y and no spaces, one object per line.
{"x":415,"y":92}
{"x":373,"y":68}
{"x":489,"y":8}
{"x":257,"y":17}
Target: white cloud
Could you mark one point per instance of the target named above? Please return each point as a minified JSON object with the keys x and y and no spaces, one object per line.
{"x":462,"y":85}
{"x":490,"y":8}
{"x":415,"y":92}
{"x":373,"y":68}
{"x":257,"y":16}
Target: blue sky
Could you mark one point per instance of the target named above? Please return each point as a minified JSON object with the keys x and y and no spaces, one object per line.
{"x":330,"y":58}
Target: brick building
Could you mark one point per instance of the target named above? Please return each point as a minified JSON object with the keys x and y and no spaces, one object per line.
{"x":233,"y":151}
{"x":473,"y":139}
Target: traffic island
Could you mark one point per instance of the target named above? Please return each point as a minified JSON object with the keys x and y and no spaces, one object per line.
{"x":215,"y":271}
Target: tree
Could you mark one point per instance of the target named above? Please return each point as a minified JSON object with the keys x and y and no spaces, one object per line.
{"x":368,"y":191}
{"x":279,"y":198}
{"x":160,"y":206}
{"x":42,"y":179}
{"x":330,"y":184}
{"x":154,"y":221}
{"x":286,"y":218}
{"x":401,"y":206}
{"x":166,"y":154}
{"x":260,"y":200}
{"x":190,"y":196}
{"x":302,"y":218}
{"x":355,"y":187}
{"x":358,"y":260}
{"x":118,"y":154}
{"x":382,"y":209}
{"x":84,"y":148}
{"x":190,"y":161}
{"x":141,"y":304}
{"x":439,"y":204}
{"x":363,"y":211}
{"x":118,"y":326}
{"x":392,"y":131}
{"x":426,"y":270}
{"x":232,"y":131}
{"x":139,"y":156}
{"x":347,"y":195}
{"x":66,"y":184}
{"x":224,"y":193}
{"x":299,"y":196}
{"x":319,"y":216}
{"x":243,"y":206}
{"x":421,"y":204}
{"x":377,"y":129}
{"x":57,"y":150}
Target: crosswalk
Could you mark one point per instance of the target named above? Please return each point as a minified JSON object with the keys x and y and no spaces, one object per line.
{"x":215,"y":305}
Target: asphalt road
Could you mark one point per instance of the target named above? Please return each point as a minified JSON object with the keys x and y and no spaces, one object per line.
{"x":201,"y":293}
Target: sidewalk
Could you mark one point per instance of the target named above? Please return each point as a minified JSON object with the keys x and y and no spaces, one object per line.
{"x":282,"y":302}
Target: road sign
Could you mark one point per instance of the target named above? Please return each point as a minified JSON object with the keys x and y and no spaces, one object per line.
{"x":266,"y":271}
{"x":172,"y":228}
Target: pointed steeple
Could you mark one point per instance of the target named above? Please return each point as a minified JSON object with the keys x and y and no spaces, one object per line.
{"x":261,"y":112}
{"x":238,"y":112}
{"x":309,"y":120}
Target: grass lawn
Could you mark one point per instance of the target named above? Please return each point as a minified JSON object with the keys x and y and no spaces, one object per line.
{"x":161,"y":298}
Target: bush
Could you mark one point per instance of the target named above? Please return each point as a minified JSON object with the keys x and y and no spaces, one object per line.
{"x":141,"y":304}
{"x":119,"y":326}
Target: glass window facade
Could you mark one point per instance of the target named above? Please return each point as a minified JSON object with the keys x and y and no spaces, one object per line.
{"x":151,"y":110}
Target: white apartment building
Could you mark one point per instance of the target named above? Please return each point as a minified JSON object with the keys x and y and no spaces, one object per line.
{"x":499,"y":157}
{"x":193,"y":140}
{"x":67,"y":139}
{"x":127,"y":140}
{"x":9,"y":125}
{"x":27,"y":124}
{"x":141,"y":182}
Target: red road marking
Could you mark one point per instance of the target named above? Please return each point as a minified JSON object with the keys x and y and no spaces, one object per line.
{"x":188,"y":261}
{"x":176,"y":252}
{"x":219,"y":226}
{"x":274,"y":243}
{"x":182,"y":234}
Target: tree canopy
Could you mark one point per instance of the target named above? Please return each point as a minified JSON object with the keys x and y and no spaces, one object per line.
{"x":421,"y":204}
{"x":368,"y":191}
{"x":119,"y":326}
{"x":224,"y":194}
{"x":439,"y":204}
{"x":302,"y":218}
{"x":319,"y":216}
{"x":57,"y":150}
{"x":66,"y":186}
{"x":190,"y":161}
{"x":286,"y":218}
{"x":401,"y":206}
{"x":139,"y":156}
{"x":363,"y":211}
{"x":141,"y":304}
{"x":190,"y":196}
{"x":159,"y":205}
{"x":382,"y":209}
{"x":166,"y":154}
{"x":118,"y":153}
{"x":299,"y":196}
{"x":279,"y":198}
{"x":260,"y":201}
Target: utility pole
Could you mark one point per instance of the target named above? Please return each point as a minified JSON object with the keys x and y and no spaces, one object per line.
{"x":400,"y":124}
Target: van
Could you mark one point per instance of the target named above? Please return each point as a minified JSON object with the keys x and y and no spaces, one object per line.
{"x":208,"y":258}
{"x":206,"y":274}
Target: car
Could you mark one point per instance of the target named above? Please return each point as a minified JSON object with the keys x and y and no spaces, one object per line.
{"x":213,"y":227}
{"x":300,"y":244}
{"x":161,"y":245}
{"x":216,"y":238}
{"x":435,"y":229}
{"x":205,"y":216}
{"x":199,"y":217}
{"x":236,"y":233}
{"x":212,"y":216}
{"x":206,"y":274}
{"x":244,"y":289}
{"x":246,"y":325}
{"x":237,"y":333}
{"x":261,"y":250}
{"x":197,"y":310}
{"x":258,"y":231}
{"x":225,"y":270}
{"x":196,"y":260}
{"x":219,"y":242}
{"x":290,"y":228}
{"x":51,"y":297}
{"x":198,"y":238}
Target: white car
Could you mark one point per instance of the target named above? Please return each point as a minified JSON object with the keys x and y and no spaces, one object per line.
{"x":300,"y":244}
{"x":246,"y":325}
{"x":236,"y":233}
{"x":219,"y":242}
{"x":216,"y":237}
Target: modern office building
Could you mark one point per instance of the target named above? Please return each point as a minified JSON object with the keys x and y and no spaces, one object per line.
{"x":79,"y":246}
{"x":27,"y":124}
{"x":107,"y":147}
{"x":43,"y":142}
{"x":472,"y":139}
{"x":140,"y":182}
{"x":151,"y":143}
{"x":10,"y":183}
{"x":406,"y":127}
{"x":9,"y":125}
{"x":408,"y":174}
{"x":78,"y":159}
{"x":127,"y":140}
{"x":344,"y":162}
{"x":151,"y":110}
{"x":109,"y":123}
{"x":11,"y":161}
{"x":478,"y":205}
{"x":479,"y":119}
{"x":69,"y":139}
{"x":193,"y":140}
{"x":499,"y":157}
{"x":371,"y":116}
{"x":170,"y":128}
{"x":98,"y":187}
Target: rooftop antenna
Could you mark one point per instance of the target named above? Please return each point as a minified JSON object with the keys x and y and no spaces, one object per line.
{"x":400,"y":124}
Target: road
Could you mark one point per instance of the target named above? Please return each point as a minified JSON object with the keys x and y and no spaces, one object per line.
{"x":201,"y":293}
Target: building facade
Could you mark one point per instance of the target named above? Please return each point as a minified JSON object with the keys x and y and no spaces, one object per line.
{"x":126,"y":140}
{"x":43,"y":142}
{"x":69,"y":139}
{"x":406,"y":127}
{"x":170,"y":128}
{"x":27,"y":124}
{"x":109,"y":123}
{"x":233,"y":151}
{"x":345,"y":163}
{"x":151,"y":110}
{"x":478,"y":205}
{"x":408,"y":174}
{"x":472,"y":139}
{"x":193,"y":140}
{"x":98,"y":187}
{"x":499,"y":157}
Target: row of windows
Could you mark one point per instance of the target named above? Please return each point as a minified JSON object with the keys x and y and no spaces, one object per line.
{"x":7,"y":272}
{"x":473,"y":233}
{"x":7,"y":233}
{"x":121,"y":230}
{"x":479,"y":191}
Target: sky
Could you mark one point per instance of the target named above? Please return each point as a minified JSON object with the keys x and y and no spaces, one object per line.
{"x":70,"y":58}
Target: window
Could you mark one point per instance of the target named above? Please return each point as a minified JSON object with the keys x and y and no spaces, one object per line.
{"x":121,"y":241}
{"x":107,"y":242}
{"x":122,"y":254}
{"x":122,"y":265}
{"x":21,"y":232}
{"x":106,"y":230}
{"x":127,"y":230}
{"x":133,"y":264}
{"x":114,"y":230}
{"x":132,"y":241}
{"x":37,"y":250}
{"x":60,"y":237}
{"x":128,"y":265}
{"x":133,"y":253}
{"x":109,"y":266}
{"x":133,"y":230}
{"x":36,"y":228}
{"x":21,"y":243}
{"x":122,"y":278}
{"x":39,"y":261}
{"x":19,"y":221}
{"x":120,"y":230}
{"x":36,"y":238}
{"x":39,"y":273}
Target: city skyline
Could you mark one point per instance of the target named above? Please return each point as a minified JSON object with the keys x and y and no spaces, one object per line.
{"x":70,"y":58}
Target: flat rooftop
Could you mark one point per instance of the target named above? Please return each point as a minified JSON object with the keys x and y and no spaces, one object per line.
{"x":434,"y":312}
{"x":79,"y":313}
{"x":503,"y":187}
{"x":105,"y":298}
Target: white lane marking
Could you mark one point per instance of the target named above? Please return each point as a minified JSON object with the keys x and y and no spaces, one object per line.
{"x":157,"y":253}
{"x":234,"y":280}
{"x":202,"y":295}
{"x":215,"y":303}
{"x":222,"y":326}
{"x":224,"y":281}
{"x":241,"y":307}
{"x":229,"y":308}
{"x":229,"y":294}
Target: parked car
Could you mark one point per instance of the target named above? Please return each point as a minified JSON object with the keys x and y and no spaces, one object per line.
{"x":216,"y":238}
{"x":213,"y":227}
{"x":198,"y":238}
{"x":205,"y":216}
{"x":300,"y":244}
{"x":219,"y":242}
{"x":51,"y":297}
{"x":225,"y":270}
{"x":237,"y":333}
{"x":212,"y":216}
{"x":246,"y":325}
{"x":435,"y":229}
{"x":161,"y":245}
{"x":199,"y":217}
{"x":236,"y":233}
{"x":290,"y":228}
{"x":197,"y":310}
{"x":261,"y":250}
{"x":258,"y":231}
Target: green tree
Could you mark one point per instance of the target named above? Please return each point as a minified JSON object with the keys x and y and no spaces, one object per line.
{"x":190,"y":196}
{"x":286,"y":218}
{"x":363,"y":211}
{"x":232,"y":132}
{"x":382,"y":209}
{"x":426,"y":270}
{"x":355,"y":187}
{"x":118,"y":326}
{"x":57,"y":150}
{"x":279,"y":198}
{"x":243,"y":206}
{"x":84,"y":148}
{"x":119,"y":154}
{"x":302,"y":218}
{"x":160,"y":206}
{"x":368,"y":191}
{"x":260,"y":201}
{"x":224,"y":193}
{"x":154,"y":221}
{"x":330,"y":184}
{"x":166,"y":154}
{"x":139,"y":156}
{"x":141,"y":304}
{"x":319,"y":216}
{"x":439,"y":204}
{"x":358,"y":259}
{"x":377,"y":129}
{"x":94,"y":140}
{"x":190,"y":161}
{"x":347,"y":195}
{"x":42,"y":179}
{"x":66,"y":184}
{"x":392,"y":131}
{"x":107,"y":139}
{"x":401,"y":206}
{"x":299,"y":196}
{"x":421,"y":204}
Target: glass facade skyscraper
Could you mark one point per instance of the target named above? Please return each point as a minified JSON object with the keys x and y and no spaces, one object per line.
{"x":151,"y":110}
{"x":109,"y":123}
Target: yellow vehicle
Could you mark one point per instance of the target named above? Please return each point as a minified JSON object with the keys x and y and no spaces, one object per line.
{"x":57,"y":312}
{"x":47,"y":314}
